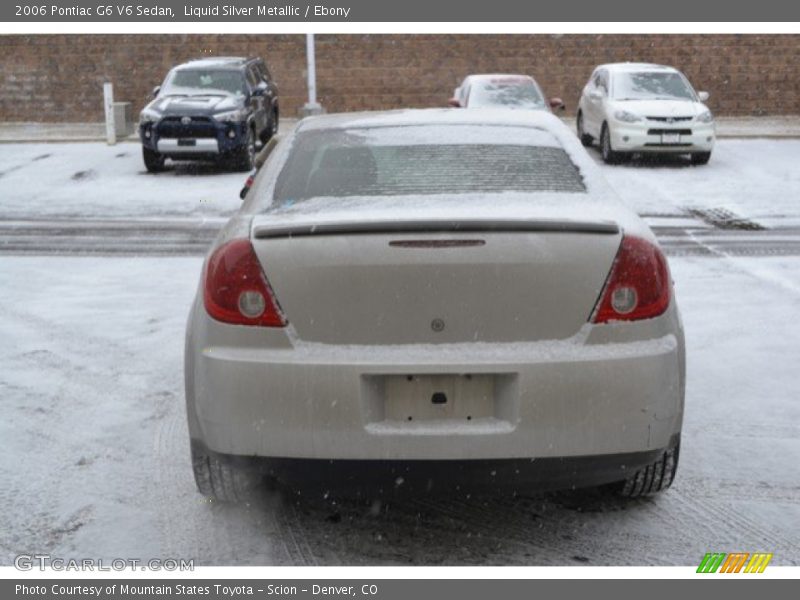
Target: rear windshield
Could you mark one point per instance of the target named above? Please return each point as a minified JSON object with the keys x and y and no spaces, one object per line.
{"x":507,"y":93}
{"x":397,"y":161}
{"x":204,"y":81}
{"x":649,"y":85}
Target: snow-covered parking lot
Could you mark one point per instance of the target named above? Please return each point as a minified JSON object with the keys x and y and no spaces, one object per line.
{"x":95,"y":449}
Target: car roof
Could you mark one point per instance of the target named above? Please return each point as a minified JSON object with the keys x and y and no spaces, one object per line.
{"x":637,"y":66}
{"x":546,"y":129}
{"x":231,"y":62}
{"x":481,"y":77}
{"x":433,"y":116}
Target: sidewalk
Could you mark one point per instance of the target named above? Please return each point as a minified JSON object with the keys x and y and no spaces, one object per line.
{"x":727,"y":127}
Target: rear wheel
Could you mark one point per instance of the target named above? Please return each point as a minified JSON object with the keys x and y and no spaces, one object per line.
{"x":610,"y":156}
{"x":271,"y":128}
{"x":585,"y":138}
{"x":153,"y":161}
{"x":221,"y":480}
{"x":653,"y":478}
{"x":701,"y":158}
{"x":244,"y":157}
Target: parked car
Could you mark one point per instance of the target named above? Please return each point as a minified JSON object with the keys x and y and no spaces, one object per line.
{"x":420,"y":298}
{"x":212,"y":109}
{"x":637,"y":107}
{"x":502,"y":91}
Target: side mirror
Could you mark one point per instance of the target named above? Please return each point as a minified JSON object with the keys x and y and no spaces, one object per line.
{"x":260,"y":88}
{"x":703,"y":96}
{"x":596,"y":95}
{"x":557,"y":103}
{"x":454,"y":103}
{"x":156,"y":90}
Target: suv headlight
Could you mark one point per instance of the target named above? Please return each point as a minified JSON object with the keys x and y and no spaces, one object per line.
{"x":705,"y":117}
{"x":231,"y":116}
{"x":148,"y":116}
{"x":626,"y":117}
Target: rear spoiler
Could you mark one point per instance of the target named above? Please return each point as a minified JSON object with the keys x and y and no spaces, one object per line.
{"x":278,"y":230}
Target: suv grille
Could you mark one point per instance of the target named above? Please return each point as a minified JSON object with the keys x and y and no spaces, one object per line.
{"x":200,"y":127}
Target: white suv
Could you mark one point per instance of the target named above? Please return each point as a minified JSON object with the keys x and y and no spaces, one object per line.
{"x":636,"y":107}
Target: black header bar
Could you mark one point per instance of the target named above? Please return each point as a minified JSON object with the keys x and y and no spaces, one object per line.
{"x":388,"y":11}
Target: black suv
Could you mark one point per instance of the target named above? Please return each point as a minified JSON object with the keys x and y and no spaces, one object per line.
{"x":212,"y":108}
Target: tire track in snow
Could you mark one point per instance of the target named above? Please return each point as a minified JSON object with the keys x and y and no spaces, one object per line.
{"x":724,"y":525}
{"x":475,"y":531}
{"x":734,"y":489}
{"x":294,"y":532}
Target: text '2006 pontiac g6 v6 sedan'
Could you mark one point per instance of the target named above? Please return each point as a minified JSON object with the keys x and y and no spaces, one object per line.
{"x":422,"y":298}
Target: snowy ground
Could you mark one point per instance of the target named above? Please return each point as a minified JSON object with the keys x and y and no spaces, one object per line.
{"x":96,"y":180}
{"x":95,"y":450}
{"x":755,"y":179}
{"x":95,"y":458}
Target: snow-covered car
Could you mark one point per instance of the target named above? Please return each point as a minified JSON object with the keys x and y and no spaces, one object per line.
{"x":212,"y":109}
{"x":431,"y":296}
{"x":632,"y":108}
{"x":502,"y":91}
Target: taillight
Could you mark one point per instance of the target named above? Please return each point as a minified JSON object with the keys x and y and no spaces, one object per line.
{"x":236,"y":289}
{"x":638,"y":286}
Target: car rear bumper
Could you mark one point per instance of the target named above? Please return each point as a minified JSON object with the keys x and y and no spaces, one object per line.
{"x":270,"y":397}
{"x":654,"y":137}
{"x":431,"y":476}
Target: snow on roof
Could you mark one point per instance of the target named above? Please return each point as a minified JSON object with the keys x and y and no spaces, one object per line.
{"x":491,"y":76}
{"x":215,"y":61}
{"x":540,"y":120}
{"x":534,"y":121}
{"x":636,"y":66}
{"x":434,"y":116}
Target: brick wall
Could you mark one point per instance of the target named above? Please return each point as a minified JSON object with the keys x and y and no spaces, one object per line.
{"x":58,"y":78}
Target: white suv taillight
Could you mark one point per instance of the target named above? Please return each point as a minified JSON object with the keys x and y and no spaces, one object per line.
{"x":638,"y":286}
{"x":235,"y":289}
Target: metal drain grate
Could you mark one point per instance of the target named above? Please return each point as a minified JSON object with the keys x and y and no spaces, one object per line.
{"x":722,"y":218}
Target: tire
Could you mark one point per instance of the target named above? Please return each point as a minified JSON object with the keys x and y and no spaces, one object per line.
{"x":244,"y":157}
{"x":701,"y":158}
{"x":585,"y":138}
{"x":610,"y":156}
{"x":653,"y":478}
{"x":275,"y":121}
{"x":221,"y":480}
{"x":153,"y":161}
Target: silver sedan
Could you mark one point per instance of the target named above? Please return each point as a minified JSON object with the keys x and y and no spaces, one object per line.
{"x":422,"y":298}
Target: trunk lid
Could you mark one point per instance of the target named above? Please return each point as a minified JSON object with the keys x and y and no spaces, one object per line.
{"x":436,"y":280}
